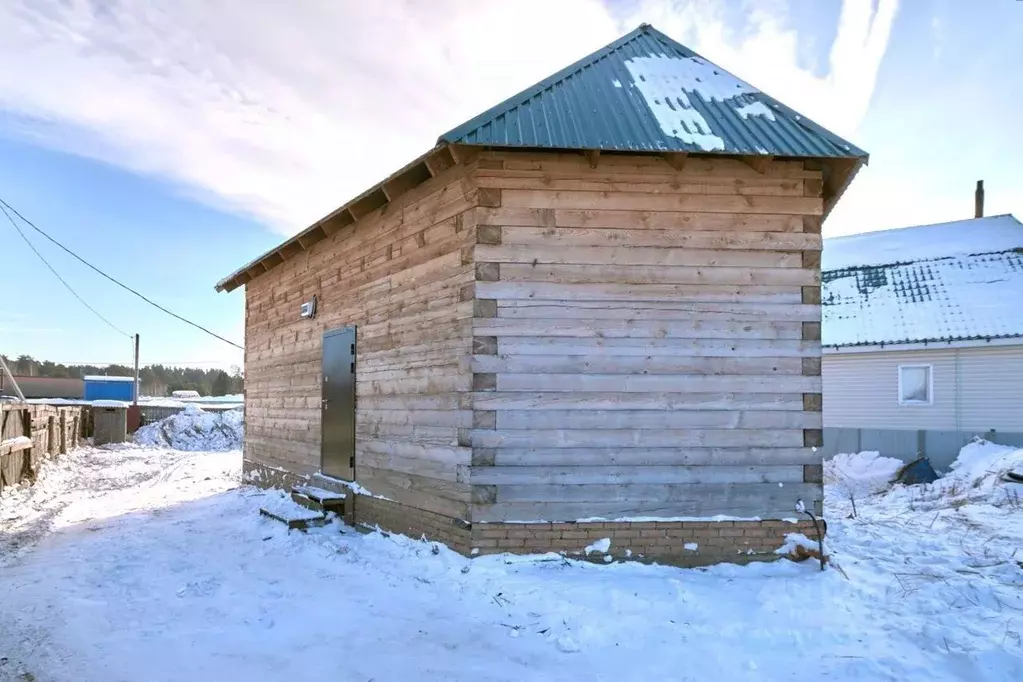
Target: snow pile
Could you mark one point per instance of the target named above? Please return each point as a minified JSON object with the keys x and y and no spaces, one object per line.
{"x":860,"y":474}
{"x":794,"y":540}
{"x":975,"y":478}
{"x":194,"y":429}
{"x":282,"y":506}
{"x":981,"y":464}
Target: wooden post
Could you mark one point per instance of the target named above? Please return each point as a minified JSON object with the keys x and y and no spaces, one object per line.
{"x":978,"y":200}
{"x":51,"y":435}
{"x":63,"y":432}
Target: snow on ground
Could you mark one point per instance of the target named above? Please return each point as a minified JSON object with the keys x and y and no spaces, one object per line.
{"x":942,"y":564}
{"x":195,"y":429}
{"x":139,"y":563}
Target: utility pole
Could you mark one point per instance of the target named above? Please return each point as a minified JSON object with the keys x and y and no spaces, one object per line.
{"x":17,"y":389}
{"x":136,"y":401}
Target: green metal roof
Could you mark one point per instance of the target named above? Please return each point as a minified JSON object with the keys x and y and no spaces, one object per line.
{"x":645,"y":92}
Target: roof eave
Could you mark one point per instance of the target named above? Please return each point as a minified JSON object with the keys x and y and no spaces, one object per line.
{"x":426,"y":166}
{"x":436,"y":160}
{"x":925,"y":344}
{"x":837,"y":183}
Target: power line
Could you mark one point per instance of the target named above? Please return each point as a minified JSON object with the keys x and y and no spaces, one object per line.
{"x":57,"y":274}
{"x":118,"y":283}
{"x":190,"y":364}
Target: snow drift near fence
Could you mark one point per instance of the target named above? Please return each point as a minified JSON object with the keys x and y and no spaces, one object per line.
{"x":975,"y":477}
{"x":861,"y":473}
{"x":194,"y":429}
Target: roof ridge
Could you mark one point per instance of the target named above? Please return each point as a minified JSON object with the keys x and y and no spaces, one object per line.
{"x":913,"y":227}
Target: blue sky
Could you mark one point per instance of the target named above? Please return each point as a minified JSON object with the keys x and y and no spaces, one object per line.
{"x":170,"y":147}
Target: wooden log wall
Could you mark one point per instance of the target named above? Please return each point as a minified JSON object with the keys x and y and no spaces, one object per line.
{"x":404,"y":275}
{"x":50,"y":431}
{"x":646,"y":339}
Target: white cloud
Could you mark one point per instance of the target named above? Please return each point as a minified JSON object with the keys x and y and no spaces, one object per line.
{"x":285,"y":110}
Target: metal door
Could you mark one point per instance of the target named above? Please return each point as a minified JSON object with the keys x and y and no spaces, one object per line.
{"x":337,"y":453}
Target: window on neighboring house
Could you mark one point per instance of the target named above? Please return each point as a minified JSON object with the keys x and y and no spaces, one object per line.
{"x":916,"y":386}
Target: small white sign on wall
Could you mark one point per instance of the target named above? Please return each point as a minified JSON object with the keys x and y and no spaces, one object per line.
{"x":308,"y":310}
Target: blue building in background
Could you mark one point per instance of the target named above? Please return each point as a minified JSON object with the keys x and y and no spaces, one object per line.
{"x":109,"y":388}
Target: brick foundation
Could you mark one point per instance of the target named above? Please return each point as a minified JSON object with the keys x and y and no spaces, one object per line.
{"x":661,"y":541}
{"x":415,"y":523}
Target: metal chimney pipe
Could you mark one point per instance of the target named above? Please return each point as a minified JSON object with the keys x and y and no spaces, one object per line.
{"x":978,"y":200}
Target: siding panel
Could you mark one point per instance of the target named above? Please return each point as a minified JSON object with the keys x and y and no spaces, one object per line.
{"x":975,"y":389}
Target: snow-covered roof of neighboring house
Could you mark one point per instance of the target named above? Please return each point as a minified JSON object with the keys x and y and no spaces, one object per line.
{"x":955,"y":281}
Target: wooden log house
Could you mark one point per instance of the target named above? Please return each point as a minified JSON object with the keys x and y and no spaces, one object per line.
{"x":590,"y":312}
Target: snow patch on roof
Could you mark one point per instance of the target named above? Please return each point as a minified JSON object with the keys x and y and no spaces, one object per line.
{"x":755,"y":109}
{"x":666,"y":82}
{"x":109,"y":403}
{"x":100,"y":377}
{"x":907,"y":244}
{"x":946,"y":299}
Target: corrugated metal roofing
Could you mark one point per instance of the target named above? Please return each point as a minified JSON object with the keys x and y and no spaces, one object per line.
{"x":972,"y":293}
{"x":646,"y":92}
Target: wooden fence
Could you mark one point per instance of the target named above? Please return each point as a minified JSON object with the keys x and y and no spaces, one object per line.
{"x":31,"y":433}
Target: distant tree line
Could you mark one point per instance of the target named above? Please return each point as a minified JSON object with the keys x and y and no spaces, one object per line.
{"x":154,"y":380}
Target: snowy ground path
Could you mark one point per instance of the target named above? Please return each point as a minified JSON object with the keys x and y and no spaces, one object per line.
{"x":150,"y":564}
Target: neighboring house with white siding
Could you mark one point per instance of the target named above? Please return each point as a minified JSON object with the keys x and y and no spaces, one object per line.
{"x":923,"y":338}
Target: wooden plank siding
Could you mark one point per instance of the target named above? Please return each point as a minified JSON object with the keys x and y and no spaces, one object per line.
{"x":646,"y":341}
{"x":404,"y":275}
{"x":539,"y":339}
